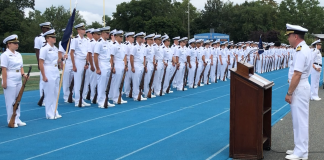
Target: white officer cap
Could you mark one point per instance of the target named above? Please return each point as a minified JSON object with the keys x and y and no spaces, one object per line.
{"x":165,"y":35}
{"x":222,"y":43}
{"x":157,"y":37}
{"x":207,"y":41}
{"x":199,"y":41}
{"x":244,"y":46}
{"x":106,"y":29}
{"x":11,"y":39}
{"x":176,"y":38}
{"x":45,"y":25}
{"x":89,"y":30}
{"x":113,"y":31}
{"x":129,"y":34}
{"x":97,"y":31}
{"x":295,"y":29}
{"x":119,"y":33}
{"x":166,"y":38}
{"x":140,"y":34}
{"x":215,"y":42}
{"x":225,"y":42}
{"x":317,"y":42}
{"x":50,"y":33}
{"x":150,"y":36}
{"x":182,"y":39}
{"x":193,"y":40}
{"x":79,"y":26}
{"x":185,"y":38}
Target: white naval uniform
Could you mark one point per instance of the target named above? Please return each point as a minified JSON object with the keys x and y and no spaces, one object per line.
{"x":149,"y":53}
{"x":159,"y":69}
{"x":174,"y":49}
{"x":231,"y":60}
{"x":118,"y":51}
{"x":219,"y":64}
{"x":13,"y":62}
{"x":39,"y":42}
{"x":200,"y":64}
{"x":51,"y":87}
{"x":102,"y":48}
{"x":87,"y":75}
{"x":182,"y":54}
{"x":315,"y":75}
{"x":223,"y":59}
{"x":167,"y":58}
{"x":207,"y":54}
{"x":68,"y":73}
{"x":213,"y":68}
{"x":192,"y":52}
{"x":138,"y":52}
{"x":80,"y":47}
{"x":300,"y":99}
{"x":128,"y":76}
{"x":93,"y":75}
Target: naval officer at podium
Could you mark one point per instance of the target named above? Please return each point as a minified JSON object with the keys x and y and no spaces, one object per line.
{"x":298,"y":94}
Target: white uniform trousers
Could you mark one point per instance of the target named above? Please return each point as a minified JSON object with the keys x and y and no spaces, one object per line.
{"x":258,"y":63}
{"x":158,"y":77}
{"x":206,"y":71}
{"x":79,"y":64}
{"x":67,"y":79}
{"x":300,"y":117}
{"x":136,"y":78}
{"x":315,"y":78}
{"x":180,"y":75}
{"x":168,"y":76}
{"x":219,"y":66}
{"x":128,"y":79}
{"x":278,"y":60}
{"x":102,"y":81}
{"x":148,"y":76}
{"x":11,"y":92}
{"x":93,"y":81}
{"x":199,"y":71}
{"x":213,"y":69}
{"x":116,"y":80}
{"x":51,"y":88}
{"x":230,"y":67}
{"x":222,"y":69}
{"x":191,"y":73}
{"x":86,"y":82}
{"x":174,"y":82}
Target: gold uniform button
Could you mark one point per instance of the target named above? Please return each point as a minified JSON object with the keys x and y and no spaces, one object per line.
{"x":17,"y":70}
{"x":56,"y":65}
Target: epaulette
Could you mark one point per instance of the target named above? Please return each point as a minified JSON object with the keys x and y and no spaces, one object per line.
{"x":299,"y":48}
{"x":91,"y":41}
{"x":146,"y":45}
{"x":163,"y":47}
{"x":99,"y":40}
{"x":154,"y":44}
{"x":39,"y":35}
{"x":44,"y":45}
{"x":173,"y":45}
{"x":179,"y":48}
{"x":114,"y":43}
{"x":134,"y":44}
{"x":76,"y":36}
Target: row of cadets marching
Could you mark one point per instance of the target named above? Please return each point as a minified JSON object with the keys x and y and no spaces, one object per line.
{"x":316,"y":69}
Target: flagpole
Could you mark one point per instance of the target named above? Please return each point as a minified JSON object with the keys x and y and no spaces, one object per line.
{"x":104,"y":18}
{"x":70,"y":7}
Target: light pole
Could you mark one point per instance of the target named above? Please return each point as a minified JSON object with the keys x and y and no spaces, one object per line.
{"x":188,"y":20}
{"x":104,"y":16}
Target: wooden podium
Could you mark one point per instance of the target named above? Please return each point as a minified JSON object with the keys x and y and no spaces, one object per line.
{"x":250,"y":114}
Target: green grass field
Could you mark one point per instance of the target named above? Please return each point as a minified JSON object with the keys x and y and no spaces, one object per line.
{"x":33,"y":82}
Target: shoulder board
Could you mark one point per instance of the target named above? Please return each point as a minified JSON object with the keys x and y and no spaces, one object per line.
{"x":173,"y":45}
{"x":154,"y":44}
{"x":298,"y":48}
{"x":146,"y":46}
{"x":76,"y":36}
{"x":163,"y":47}
{"x":195,"y":48}
{"x":220,"y":49}
{"x":39,"y":35}
{"x":179,"y":47}
{"x":99,"y":40}
{"x":314,"y":49}
{"x":44,"y":45}
{"x":91,"y":41}
{"x":134,"y":44}
{"x":114,"y":43}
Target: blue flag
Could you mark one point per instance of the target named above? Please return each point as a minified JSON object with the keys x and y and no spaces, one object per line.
{"x":261,"y":50}
{"x":68,"y":31}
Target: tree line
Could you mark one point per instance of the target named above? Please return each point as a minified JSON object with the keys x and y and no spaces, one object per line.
{"x":242,"y":22}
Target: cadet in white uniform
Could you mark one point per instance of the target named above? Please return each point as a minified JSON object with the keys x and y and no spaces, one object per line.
{"x":68,"y":72}
{"x":298,"y":94}
{"x":39,"y":42}
{"x":192,"y":61}
{"x":149,"y":53}
{"x":214,"y":52}
{"x":200,"y":60}
{"x":159,"y":68}
{"x":181,"y":57}
{"x":223,"y":61}
{"x":103,"y":65}
{"x":118,"y":56}
{"x":12,"y":71}
{"x":174,"y":49}
{"x":168,"y":63}
{"x":316,"y":70}
{"x":48,"y":60}
{"x":78,"y":53}
{"x":137,"y":64}
{"x":129,"y":44}
{"x":89,"y":73}
{"x":208,"y":60}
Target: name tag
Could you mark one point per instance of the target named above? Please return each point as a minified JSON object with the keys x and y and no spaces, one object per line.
{"x":105,"y":47}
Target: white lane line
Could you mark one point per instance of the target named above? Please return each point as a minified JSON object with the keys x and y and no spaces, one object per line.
{"x":102,"y":117}
{"x":130,"y":127}
{"x":215,"y":154}
{"x":24,"y":111}
{"x":221,"y":150}
{"x":171,"y":135}
{"x":280,"y":87}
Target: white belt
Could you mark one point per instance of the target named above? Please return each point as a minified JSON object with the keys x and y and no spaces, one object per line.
{"x":52,"y":65}
{"x":104,"y":60}
{"x":300,"y":81}
{"x":118,"y":60}
{"x":12,"y":70}
{"x":80,"y":58}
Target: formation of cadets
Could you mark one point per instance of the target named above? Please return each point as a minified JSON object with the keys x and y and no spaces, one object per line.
{"x":100,"y":67}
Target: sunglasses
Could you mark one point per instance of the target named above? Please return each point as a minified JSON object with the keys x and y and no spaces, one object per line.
{"x":52,"y":36}
{"x":15,"y":42}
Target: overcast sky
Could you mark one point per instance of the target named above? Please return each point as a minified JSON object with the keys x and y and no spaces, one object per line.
{"x":93,"y":11}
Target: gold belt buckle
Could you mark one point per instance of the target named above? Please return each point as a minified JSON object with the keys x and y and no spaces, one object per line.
{"x":55,"y":65}
{"x":17,"y":70}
